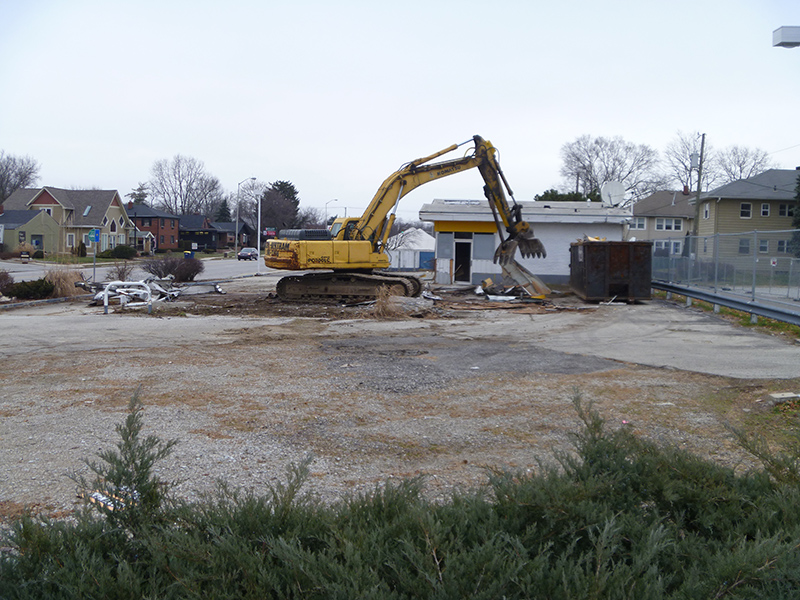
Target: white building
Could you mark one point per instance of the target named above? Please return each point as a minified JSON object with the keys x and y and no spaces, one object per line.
{"x":466,"y":236}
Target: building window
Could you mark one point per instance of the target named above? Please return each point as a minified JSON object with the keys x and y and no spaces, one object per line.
{"x":86,"y":241}
{"x":765,"y":210}
{"x":785,"y":210}
{"x":172,"y":223}
{"x":763,"y":246}
{"x":121,"y":222}
{"x":745,"y":210}
{"x":161,"y":239}
{"x":49,"y":211}
{"x":669,"y":224}
{"x":783,"y":246}
{"x":113,"y":226}
{"x":638,"y":223}
{"x":670,"y":246}
{"x":145,"y":222}
{"x":162,"y":222}
{"x":172,"y":239}
{"x":70,"y":240}
{"x":706,"y":211}
{"x":744,"y":245}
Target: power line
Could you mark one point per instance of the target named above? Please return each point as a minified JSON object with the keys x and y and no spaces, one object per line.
{"x":784,"y":149}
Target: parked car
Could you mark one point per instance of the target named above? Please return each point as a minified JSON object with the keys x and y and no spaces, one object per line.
{"x":247,"y":254}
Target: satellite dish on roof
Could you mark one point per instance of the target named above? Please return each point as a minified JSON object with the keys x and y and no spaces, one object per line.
{"x":612,"y":193}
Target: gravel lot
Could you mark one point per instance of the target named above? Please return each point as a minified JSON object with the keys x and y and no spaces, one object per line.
{"x":249,"y":385}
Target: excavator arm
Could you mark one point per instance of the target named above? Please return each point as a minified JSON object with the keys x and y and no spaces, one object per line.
{"x":515,"y":233}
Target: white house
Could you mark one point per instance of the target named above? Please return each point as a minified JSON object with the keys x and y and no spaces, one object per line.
{"x":412,"y":249}
{"x":466,"y":236}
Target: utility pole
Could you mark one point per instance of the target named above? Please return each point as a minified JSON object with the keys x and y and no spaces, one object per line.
{"x":699,"y":188}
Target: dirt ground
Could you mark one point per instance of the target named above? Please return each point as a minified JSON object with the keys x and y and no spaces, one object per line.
{"x":443,"y":389}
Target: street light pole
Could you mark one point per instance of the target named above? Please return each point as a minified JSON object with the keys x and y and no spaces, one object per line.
{"x":326,"y":210}
{"x":258,"y":236}
{"x":236,"y":224}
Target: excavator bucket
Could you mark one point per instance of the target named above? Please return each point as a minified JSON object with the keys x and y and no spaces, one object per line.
{"x":532,"y":285}
{"x":528,"y":246}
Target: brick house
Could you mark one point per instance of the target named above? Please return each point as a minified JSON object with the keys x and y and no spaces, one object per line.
{"x":163,"y":226}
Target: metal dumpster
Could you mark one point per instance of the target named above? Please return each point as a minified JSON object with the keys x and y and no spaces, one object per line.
{"x":604,"y":271}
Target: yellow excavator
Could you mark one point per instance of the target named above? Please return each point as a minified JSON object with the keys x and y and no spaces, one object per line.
{"x":346,"y":261}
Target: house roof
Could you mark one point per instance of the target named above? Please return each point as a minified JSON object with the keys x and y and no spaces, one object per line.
{"x":533,"y":212}
{"x":774,"y":184}
{"x":224,"y":226}
{"x":193,"y":222}
{"x":16,"y":218}
{"x":88,"y":206}
{"x":142,"y":210}
{"x":665,"y":204}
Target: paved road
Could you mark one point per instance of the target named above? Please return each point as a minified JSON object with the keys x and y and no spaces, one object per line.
{"x":214,"y":269}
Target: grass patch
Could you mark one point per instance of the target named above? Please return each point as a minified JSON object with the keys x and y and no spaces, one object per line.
{"x":742,"y":319}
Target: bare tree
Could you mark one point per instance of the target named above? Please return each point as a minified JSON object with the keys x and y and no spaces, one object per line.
{"x":310,"y":218}
{"x":677,"y":158}
{"x":739,"y":162}
{"x":182,"y":186}
{"x":16,"y":172}
{"x":589,"y":162}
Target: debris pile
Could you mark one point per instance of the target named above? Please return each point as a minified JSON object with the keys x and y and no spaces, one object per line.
{"x":142,"y":293}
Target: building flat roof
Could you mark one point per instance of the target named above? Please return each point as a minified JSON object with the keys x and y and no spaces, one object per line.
{"x":533,"y":212}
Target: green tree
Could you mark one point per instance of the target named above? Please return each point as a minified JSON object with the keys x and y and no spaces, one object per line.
{"x":794,"y":243}
{"x":552,"y":195}
{"x":223,"y":214}
{"x":280,"y":205}
{"x":139,"y":194}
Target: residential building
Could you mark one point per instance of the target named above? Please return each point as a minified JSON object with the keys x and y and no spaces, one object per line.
{"x":197,"y":229}
{"x":77,"y":213}
{"x":163,"y":227}
{"x":753,"y":218}
{"x":32,"y":228}
{"x":665,"y":218}
{"x":466,"y":236}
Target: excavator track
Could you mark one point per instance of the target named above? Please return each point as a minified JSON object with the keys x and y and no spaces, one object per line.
{"x":345,"y":286}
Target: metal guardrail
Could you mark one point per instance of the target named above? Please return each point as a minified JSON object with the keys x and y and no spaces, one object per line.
{"x":749,"y":306}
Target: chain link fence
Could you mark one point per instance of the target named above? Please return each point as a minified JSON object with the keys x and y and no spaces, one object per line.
{"x":757,"y":264}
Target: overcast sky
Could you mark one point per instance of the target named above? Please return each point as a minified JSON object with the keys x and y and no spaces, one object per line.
{"x":335,"y":96}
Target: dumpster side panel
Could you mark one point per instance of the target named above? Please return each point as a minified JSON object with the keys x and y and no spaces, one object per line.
{"x":602,"y":271}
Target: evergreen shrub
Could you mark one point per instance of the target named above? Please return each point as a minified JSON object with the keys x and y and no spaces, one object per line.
{"x":36,"y":289}
{"x":6,"y":281}
{"x":619,"y":517}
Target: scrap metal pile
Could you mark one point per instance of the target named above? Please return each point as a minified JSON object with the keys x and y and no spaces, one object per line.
{"x":142,"y":293}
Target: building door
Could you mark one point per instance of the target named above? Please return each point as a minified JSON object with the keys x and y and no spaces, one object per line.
{"x":463,"y":261}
